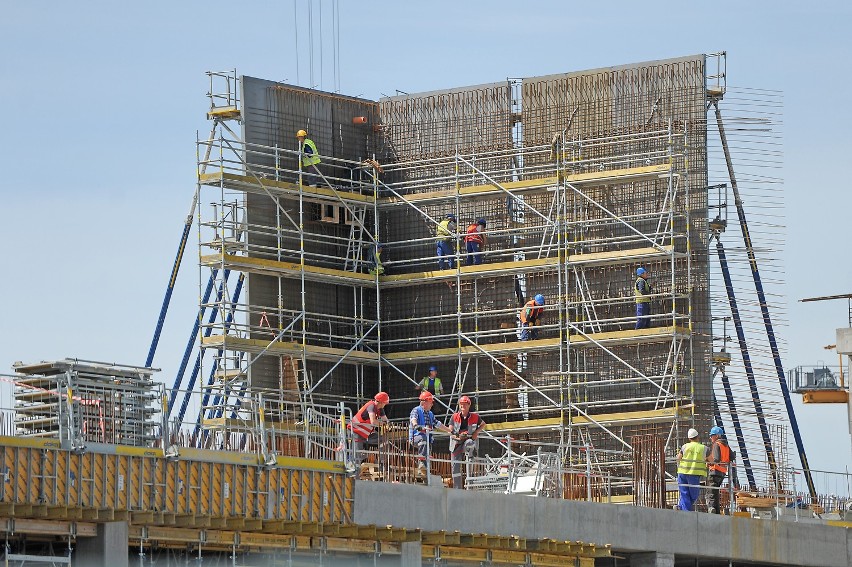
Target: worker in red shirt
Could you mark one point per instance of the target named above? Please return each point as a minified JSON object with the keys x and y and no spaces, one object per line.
{"x":475,"y":240}
{"x":464,"y":429}
{"x":530,"y":316}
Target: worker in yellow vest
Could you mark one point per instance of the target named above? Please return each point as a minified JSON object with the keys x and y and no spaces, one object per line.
{"x":310,"y":158}
{"x":691,"y":469}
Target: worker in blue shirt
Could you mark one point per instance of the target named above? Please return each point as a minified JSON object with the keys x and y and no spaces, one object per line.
{"x":421,"y":423}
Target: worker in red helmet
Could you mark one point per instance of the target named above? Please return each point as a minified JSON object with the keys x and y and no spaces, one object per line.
{"x":421,"y":423}
{"x":465,"y":426}
{"x":365,"y":425}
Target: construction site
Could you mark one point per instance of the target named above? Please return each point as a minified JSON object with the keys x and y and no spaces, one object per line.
{"x":581,"y":181}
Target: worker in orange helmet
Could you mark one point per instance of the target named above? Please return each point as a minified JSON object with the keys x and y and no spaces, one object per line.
{"x":465,"y":426}
{"x":421,"y":423}
{"x":366,"y":425}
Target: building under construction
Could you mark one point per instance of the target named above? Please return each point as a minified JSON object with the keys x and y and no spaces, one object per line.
{"x":581,"y":178}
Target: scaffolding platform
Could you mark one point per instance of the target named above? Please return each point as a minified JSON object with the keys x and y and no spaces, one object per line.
{"x":607,"y":419}
{"x":263,"y":186}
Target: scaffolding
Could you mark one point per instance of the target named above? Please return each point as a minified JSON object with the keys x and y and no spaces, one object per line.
{"x":578,"y":192}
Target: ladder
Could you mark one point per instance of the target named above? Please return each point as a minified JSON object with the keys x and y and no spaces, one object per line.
{"x":355,"y":246}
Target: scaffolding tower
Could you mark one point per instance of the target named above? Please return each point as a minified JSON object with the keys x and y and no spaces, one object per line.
{"x":582,"y":178}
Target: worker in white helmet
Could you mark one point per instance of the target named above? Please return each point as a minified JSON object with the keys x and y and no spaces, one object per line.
{"x":691,"y":470}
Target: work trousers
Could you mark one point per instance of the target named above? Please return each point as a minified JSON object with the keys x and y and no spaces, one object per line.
{"x":643,"y":315}
{"x":474,"y":253}
{"x":463,"y":450}
{"x":689,"y":488}
{"x":445,"y":250}
{"x":714,"y":483}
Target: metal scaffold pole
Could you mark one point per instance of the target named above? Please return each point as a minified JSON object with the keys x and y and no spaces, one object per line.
{"x":764,"y":308}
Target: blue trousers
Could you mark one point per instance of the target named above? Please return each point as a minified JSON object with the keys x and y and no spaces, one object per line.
{"x":528,"y":333}
{"x":445,"y":248}
{"x":474,"y":255}
{"x":688,"y":485}
{"x":643,"y":312}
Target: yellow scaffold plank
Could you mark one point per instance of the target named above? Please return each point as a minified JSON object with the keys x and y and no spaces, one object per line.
{"x":630,"y":336}
{"x":252,"y":184}
{"x":617,"y":418}
{"x":276,"y":268}
{"x":540,"y":184}
{"x":494,"y":349}
{"x":223,"y":113}
{"x":288,"y":349}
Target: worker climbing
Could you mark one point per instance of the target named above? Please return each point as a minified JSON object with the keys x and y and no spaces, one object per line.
{"x":376,"y":267}
{"x":530,"y":317}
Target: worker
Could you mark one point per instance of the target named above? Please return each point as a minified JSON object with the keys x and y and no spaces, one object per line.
{"x":465,"y":426}
{"x":431,"y":383}
{"x":365,"y":425}
{"x":445,"y":235}
{"x":530,"y":315}
{"x":720,"y":458}
{"x":642,"y":291}
{"x":691,"y":469}
{"x":421,"y":424}
{"x":310,"y":158}
{"x":375,"y":260}
{"x":475,"y":240}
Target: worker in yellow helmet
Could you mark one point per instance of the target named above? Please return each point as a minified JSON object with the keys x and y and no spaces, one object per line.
{"x":310,"y":158}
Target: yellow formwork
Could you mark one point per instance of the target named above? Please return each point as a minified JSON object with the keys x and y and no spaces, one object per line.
{"x":40,"y":474}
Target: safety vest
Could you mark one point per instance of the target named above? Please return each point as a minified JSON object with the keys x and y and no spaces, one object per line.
{"x":444,"y":232}
{"x":360,"y":423}
{"x":692,"y":461}
{"x":431,"y":385}
{"x":474,"y":234}
{"x":310,"y":156}
{"x":642,"y":289}
{"x":473,"y":424}
{"x":424,"y":418}
{"x":531,"y":312}
{"x":724,"y":458}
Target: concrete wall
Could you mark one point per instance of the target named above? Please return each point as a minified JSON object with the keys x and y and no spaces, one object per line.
{"x":626,"y":528}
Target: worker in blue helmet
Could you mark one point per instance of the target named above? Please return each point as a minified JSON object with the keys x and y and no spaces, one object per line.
{"x":445,"y":235}
{"x":720,"y":458}
{"x":475,"y":241}
{"x":375,"y":260}
{"x":431,"y":383}
{"x":642,"y":293}
{"x":530,"y":317}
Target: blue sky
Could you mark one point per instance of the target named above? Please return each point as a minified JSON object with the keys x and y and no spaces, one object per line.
{"x":103,"y":104}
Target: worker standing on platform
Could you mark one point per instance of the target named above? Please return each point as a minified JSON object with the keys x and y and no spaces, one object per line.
{"x":375,"y":261}
{"x":530,"y":315}
{"x":310,"y":158}
{"x":431,"y":383}
{"x":366,"y":425}
{"x":421,"y":423}
{"x":475,"y":240}
{"x":465,"y":426}
{"x":720,"y":458}
{"x":691,"y":469}
{"x":445,"y":234}
{"x":642,"y":291}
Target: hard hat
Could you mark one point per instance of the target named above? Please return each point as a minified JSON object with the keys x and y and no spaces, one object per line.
{"x":464,"y":400}
{"x":382,"y":397}
{"x":481,"y":221}
{"x":451,"y":216}
{"x":716,"y":430}
{"x":433,"y":369}
{"x":692,"y":433}
{"x":379,"y":245}
{"x":428,"y":397}
{"x":640,"y":271}
{"x":301,"y":133}
{"x":539,"y":298}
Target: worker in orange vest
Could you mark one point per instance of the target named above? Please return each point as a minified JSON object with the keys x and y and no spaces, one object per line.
{"x":366,"y":423}
{"x":475,"y":240}
{"x":720,"y":458}
{"x":530,"y":316}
